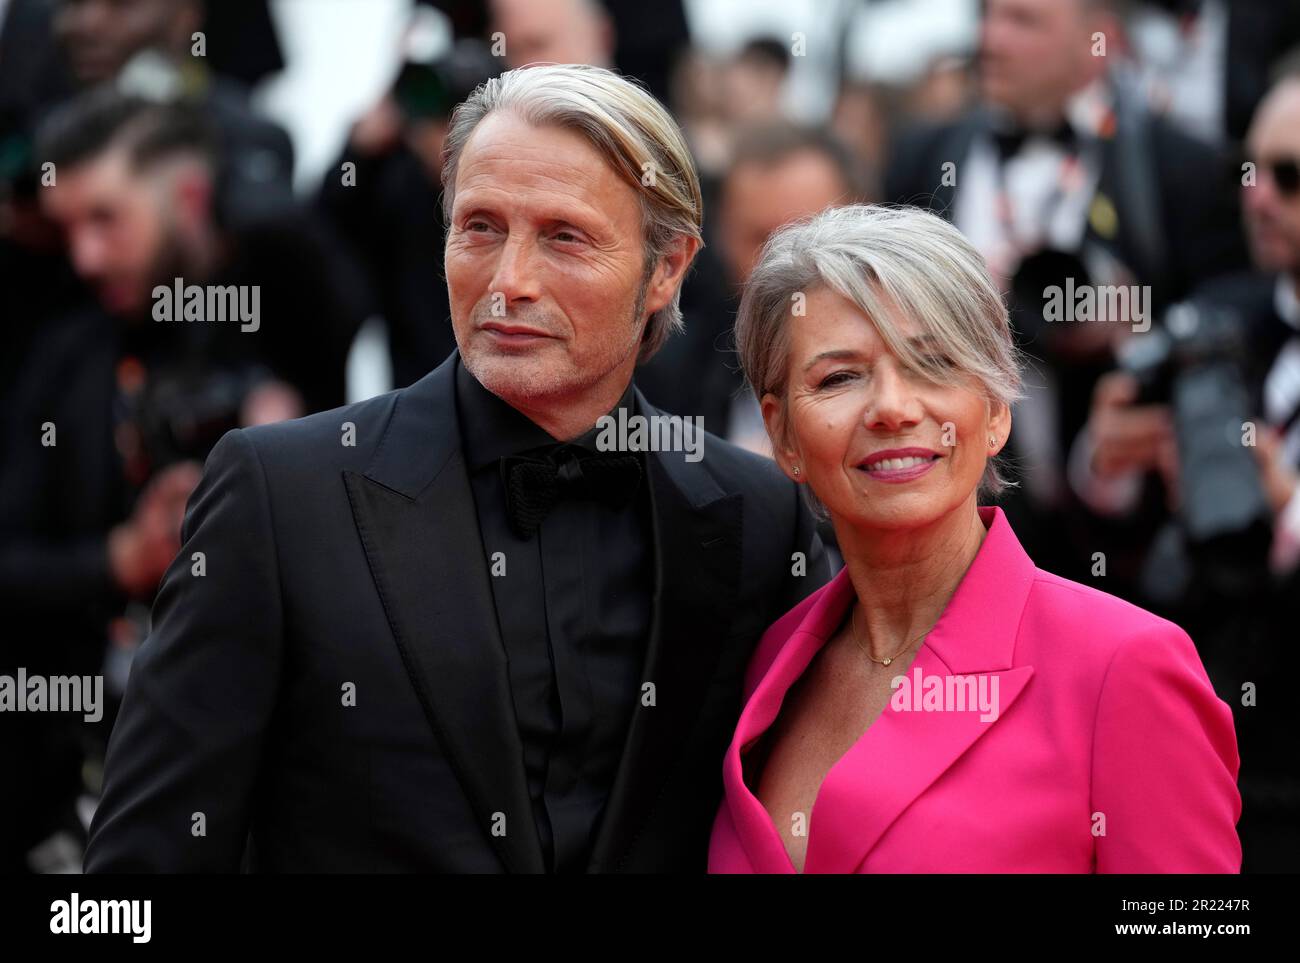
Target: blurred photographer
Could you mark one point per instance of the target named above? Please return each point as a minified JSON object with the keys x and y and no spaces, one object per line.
{"x":116,"y":403}
{"x":1257,"y":320}
{"x":1195,"y":442}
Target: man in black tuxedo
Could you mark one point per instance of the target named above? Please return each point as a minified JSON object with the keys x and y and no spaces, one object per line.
{"x":1086,"y":165}
{"x":453,"y":628}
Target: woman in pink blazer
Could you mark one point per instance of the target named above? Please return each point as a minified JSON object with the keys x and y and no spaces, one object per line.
{"x":943,"y":705}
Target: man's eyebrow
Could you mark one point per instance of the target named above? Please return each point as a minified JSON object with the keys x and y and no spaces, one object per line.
{"x":848,"y":354}
{"x":584,"y":217}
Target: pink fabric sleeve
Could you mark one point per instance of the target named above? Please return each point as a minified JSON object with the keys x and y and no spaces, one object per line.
{"x":1164,"y":762}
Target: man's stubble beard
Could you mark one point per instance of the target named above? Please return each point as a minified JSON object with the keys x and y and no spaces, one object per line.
{"x":527,"y":380}
{"x":168,"y":264}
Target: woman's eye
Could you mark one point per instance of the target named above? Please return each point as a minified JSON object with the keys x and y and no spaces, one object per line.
{"x":835,"y":379}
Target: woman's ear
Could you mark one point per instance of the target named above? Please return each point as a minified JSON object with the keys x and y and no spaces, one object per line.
{"x":777,"y":432}
{"x":999,"y":426}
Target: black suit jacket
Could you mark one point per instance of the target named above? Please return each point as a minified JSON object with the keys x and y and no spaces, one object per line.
{"x":1176,"y":197}
{"x":57,"y":504}
{"x":333,"y":568}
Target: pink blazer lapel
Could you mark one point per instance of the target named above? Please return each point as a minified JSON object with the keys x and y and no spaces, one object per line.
{"x":753,"y":825}
{"x":894,"y":762}
{"x":903,"y":752}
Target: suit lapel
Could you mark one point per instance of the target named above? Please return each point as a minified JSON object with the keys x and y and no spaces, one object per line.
{"x":697,"y":539}
{"x":754,"y":827}
{"x":414,"y":510}
{"x":902,"y":753}
{"x":955,"y":145}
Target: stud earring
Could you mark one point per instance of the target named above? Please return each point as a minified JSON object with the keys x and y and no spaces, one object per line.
{"x":796,"y":469}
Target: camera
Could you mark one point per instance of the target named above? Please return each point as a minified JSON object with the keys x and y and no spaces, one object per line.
{"x":1195,"y":362}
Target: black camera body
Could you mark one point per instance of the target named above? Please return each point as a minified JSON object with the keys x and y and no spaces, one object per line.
{"x":184,"y":410}
{"x":1195,"y":361}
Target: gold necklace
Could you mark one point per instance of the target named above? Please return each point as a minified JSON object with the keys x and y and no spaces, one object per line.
{"x":853,"y":621}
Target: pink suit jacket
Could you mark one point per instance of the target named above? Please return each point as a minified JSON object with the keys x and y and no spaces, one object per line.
{"x":1110,"y":752}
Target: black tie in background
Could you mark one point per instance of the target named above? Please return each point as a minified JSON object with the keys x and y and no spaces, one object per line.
{"x":1010,"y":141}
{"x":535,"y":482}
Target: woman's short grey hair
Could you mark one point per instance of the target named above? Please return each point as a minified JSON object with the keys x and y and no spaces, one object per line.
{"x":633,"y":132}
{"x":876,"y":256}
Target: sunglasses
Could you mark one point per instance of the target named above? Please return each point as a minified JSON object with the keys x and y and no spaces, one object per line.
{"x":1285,"y":174}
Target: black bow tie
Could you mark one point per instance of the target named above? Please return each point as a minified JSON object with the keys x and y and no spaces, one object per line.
{"x":1009,"y":142}
{"x":535,"y":483}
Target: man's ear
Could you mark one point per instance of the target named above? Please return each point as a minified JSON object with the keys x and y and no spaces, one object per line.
{"x":193,"y":190}
{"x":774,"y":420}
{"x":670,"y":271}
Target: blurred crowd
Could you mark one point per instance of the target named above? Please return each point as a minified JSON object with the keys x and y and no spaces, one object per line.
{"x":1139,"y":159}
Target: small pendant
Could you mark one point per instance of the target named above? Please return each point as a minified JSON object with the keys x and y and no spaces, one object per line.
{"x":887,"y":661}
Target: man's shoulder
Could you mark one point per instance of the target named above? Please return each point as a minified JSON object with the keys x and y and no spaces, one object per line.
{"x":1184,"y":158}
{"x":737,"y":468}
{"x":923,"y":137}
{"x":346,"y":437}
{"x":920,"y":148}
{"x":1249,"y":290}
{"x":77,"y":344}
{"x":728,"y":456}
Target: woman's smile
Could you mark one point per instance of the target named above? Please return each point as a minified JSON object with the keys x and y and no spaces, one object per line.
{"x":898,"y":465}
